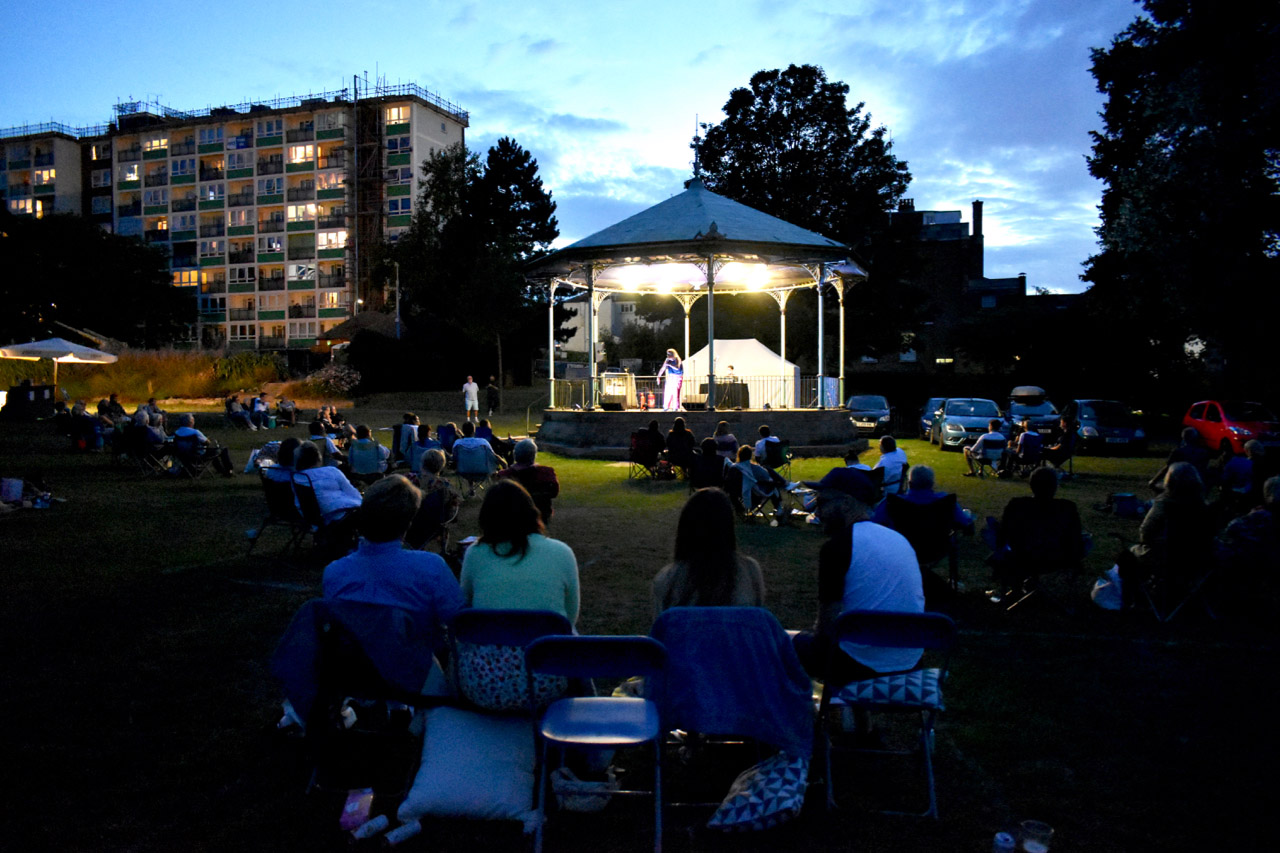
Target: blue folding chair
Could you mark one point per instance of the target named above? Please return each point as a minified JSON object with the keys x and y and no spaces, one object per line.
{"x":599,"y":722}
{"x":918,"y":691}
{"x":487,"y":658}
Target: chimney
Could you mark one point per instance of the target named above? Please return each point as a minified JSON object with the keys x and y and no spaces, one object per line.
{"x":977,"y":219}
{"x":977,"y":260}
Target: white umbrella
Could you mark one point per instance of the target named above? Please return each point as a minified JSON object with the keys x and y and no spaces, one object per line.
{"x":57,"y":350}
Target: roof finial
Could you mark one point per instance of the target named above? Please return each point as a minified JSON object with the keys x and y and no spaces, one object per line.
{"x":696,"y":145}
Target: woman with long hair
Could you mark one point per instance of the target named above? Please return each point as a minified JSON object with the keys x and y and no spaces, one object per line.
{"x":726,"y":442}
{"x":708,"y":571}
{"x":514,"y":565}
{"x":673,"y":370}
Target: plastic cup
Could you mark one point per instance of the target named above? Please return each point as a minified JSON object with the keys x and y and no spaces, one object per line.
{"x":1035,"y":836}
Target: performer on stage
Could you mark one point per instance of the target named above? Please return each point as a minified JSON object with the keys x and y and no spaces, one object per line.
{"x":673,"y":370}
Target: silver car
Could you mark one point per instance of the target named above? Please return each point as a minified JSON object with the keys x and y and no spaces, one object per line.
{"x":961,"y":420}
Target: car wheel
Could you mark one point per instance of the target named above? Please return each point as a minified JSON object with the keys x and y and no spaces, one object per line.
{"x":933,"y":436}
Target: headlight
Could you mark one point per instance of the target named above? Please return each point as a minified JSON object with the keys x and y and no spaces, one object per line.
{"x":951,"y":427}
{"x":1137,"y":433}
{"x":884,"y":419}
{"x":1241,"y":431}
{"x":1091,"y":432}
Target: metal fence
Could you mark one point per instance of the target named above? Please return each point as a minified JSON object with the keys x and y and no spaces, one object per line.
{"x":627,"y":391}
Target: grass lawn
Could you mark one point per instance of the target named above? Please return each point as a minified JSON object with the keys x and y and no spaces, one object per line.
{"x":137,"y":696}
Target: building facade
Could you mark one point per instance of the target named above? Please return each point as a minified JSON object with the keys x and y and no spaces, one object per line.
{"x":268,"y":212}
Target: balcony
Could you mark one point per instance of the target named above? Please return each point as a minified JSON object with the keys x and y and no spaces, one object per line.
{"x":246,"y":257}
{"x":333,"y":162}
{"x":333,"y":220}
{"x":302,"y":312}
{"x":338,"y":280}
{"x":244,"y":140}
{"x":215,"y":286}
{"x":275,"y":282}
{"x":185,"y":261}
{"x":269,"y":342}
{"x":302,"y":253}
{"x":159,"y":179}
{"x":156,"y":235}
{"x":300,"y":134}
{"x":240,"y":199}
{"x":19,"y":190}
{"x":43,"y":160}
{"x":182,"y":148}
{"x":270,"y":167}
{"x":128,"y":155}
{"x":306,"y":193}
{"x":181,"y":204}
{"x":213,"y":229}
{"x":243,"y":314}
{"x":212,"y":175}
{"x":134,"y":209}
{"x":270,"y":226}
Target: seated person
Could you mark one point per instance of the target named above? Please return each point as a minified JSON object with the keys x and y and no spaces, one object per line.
{"x":1025,"y":450}
{"x":538,"y":480}
{"x":381,"y":571}
{"x":726,"y":442}
{"x":861,"y":566}
{"x":1064,"y":445}
{"x":282,"y":471}
{"x":418,"y":450}
{"x":514,"y":565}
{"x":346,"y":432}
{"x":236,"y":415}
{"x":656,"y":441}
{"x":260,"y":411}
{"x":447,"y":434}
{"x":61,"y":418}
{"x":1175,"y":535}
{"x":920,"y":483}
{"x":708,"y":570}
{"x":439,"y":499}
{"x":709,"y":467}
{"x":856,"y":448}
{"x":469,"y":441}
{"x":154,"y":409}
{"x":325,"y":416}
{"x":409,"y":425}
{"x":111,"y":409}
{"x":1251,"y":543}
{"x":334,"y":492}
{"x":502,"y":448}
{"x":761,"y":450}
{"x":366,"y":456}
{"x":1037,"y":534}
{"x":759,"y":483}
{"x":186,"y":433}
{"x":86,"y":430}
{"x":894,"y":462}
{"x":154,"y":426}
{"x":991,"y":440}
{"x":680,"y":444}
{"x":286,"y":411}
{"x":329,"y":451}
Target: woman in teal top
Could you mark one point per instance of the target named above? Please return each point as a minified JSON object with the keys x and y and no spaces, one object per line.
{"x":514,"y":566}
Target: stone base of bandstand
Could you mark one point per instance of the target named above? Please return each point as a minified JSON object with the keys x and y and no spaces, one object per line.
{"x":599,"y":434}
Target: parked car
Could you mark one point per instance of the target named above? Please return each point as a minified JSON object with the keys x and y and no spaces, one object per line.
{"x":961,"y":420}
{"x":1028,"y":402}
{"x":931,"y":407}
{"x":1103,"y":425}
{"x":1227,"y":424}
{"x":870,"y":414}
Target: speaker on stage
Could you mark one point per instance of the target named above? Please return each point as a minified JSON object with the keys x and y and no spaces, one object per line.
{"x":611,"y":407}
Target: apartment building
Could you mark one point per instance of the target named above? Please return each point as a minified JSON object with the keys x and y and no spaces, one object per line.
{"x":265,"y":210}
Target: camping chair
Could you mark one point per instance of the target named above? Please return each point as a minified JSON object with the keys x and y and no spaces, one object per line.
{"x":149,"y":459}
{"x":643,"y":457}
{"x":929,"y":529}
{"x":1030,"y":458}
{"x":777,"y":457}
{"x":282,"y":511}
{"x":598,"y":722}
{"x":365,"y":462}
{"x":733,"y":677}
{"x":750,"y":503}
{"x":446,"y":435}
{"x":432,"y":522}
{"x":471,"y":464}
{"x":338,"y":533}
{"x":990,"y":457}
{"x":706,"y":472}
{"x":917,"y":692}
{"x":1035,"y":539}
{"x":339,"y":658}
{"x":894,"y":482}
{"x":1186,"y":576}
{"x":487,"y":658}
{"x":190,"y":457}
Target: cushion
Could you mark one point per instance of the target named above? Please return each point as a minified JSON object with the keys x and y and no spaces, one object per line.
{"x":473,"y":766}
{"x":764,"y":796}
{"x":493,"y":678}
{"x":917,"y":689}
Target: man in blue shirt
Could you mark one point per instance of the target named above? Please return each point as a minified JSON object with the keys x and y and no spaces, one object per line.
{"x":920,"y":491}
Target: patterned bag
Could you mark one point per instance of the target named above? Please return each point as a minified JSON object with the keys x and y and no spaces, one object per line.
{"x":764,"y":796}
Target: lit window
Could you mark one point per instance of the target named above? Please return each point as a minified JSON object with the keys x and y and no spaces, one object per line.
{"x":302,"y":212}
{"x":397,"y":114}
{"x":100,"y":178}
{"x":239,"y":217}
{"x":303,"y":329}
{"x":44,"y":176}
{"x":155,"y":143}
{"x":330,"y":180}
{"x":130,"y":172}
{"x":270,"y":244}
{"x":302,"y":153}
{"x":330,"y":299}
{"x":213,"y":192}
{"x":333,"y":239}
{"x":186,"y":278}
{"x":20,"y":205}
{"x":100,"y":151}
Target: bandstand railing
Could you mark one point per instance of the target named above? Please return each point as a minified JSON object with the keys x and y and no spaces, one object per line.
{"x":633,"y":392}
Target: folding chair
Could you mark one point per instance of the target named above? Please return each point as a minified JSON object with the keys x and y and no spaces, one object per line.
{"x":929,"y":529}
{"x":1190,"y":566}
{"x":990,"y":457}
{"x":1035,"y":538}
{"x":777,"y":457}
{"x":149,"y":459}
{"x":917,"y":692}
{"x":487,"y":657}
{"x":749,"y":503}
{"x":643,"y":457}
{"x":336,"y":533}
{"x":598,"y":722}
{"x":189,"y":455}
{"x":447,"y":435}
{"x":707,"y":471}
{"x":282,"y":511}
{"x":472,"y":467}
{"x":433,"y":522}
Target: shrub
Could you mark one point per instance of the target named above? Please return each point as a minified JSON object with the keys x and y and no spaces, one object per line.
{"x":335,"y":380}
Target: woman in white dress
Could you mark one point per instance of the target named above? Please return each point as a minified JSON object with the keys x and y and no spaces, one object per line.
{"x":673,"y":370}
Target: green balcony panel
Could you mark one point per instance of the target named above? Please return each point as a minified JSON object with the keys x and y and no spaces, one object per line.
{"x":215,"y":261}
{"x":180,"y":236}
{"x":43,"y":189}
{"x":156,"y":154}
{"x":271,"y":257}
{"x":305,"y":166}
{"x":305,"y":284}
{"x":309,"y":225}
{"x":25,"y":164}
{"x":215,"y":317}
{"x":270,"y":141}
{"x":209,"y":147}
{"x":241,"y":287}
{"x":191,"y":179}
{"x":340,"y":192}
{"x":241,"y":345}
{"x":403,"y":219}
{"x":301,"y":343}
{"x":398,"y":129}
{"x":335,"y":133}
{"x":333,"y":312}
{"x":134,"y":185}
{"x":402,"y":190}
{"x":270,"y":315}
{"x":279,"y":199}
{"x":240,"y":173}
{"x":154,"y":209}
{"x":240,"y":231}
{"x":331,"y":253}
{"x":398,"y":159}
{"x":213,"y":204}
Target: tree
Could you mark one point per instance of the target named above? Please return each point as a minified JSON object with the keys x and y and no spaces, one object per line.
{"x":66,"y":269}
{"x":1190,"y":155}
{"x":792,"y":147}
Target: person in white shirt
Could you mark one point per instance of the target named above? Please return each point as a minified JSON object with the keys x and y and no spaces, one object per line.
{"x":992,"y":439}
{"x":893,"y":460}
{"x":762,"y":446}
{"x":471,"y":399}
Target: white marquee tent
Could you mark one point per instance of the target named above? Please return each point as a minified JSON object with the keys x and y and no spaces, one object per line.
{"x":769,"y":377}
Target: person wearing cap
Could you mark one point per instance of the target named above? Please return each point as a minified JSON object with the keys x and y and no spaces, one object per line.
{"x":861,"y":566}
{"x":538,"y":480}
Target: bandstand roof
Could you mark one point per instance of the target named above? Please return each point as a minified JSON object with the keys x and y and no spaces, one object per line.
{"x":663,"y":250}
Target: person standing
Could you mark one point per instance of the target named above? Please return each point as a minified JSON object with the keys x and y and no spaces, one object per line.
{"x":673,"y":371}
{"x":493,"y":395}
{"x":471,"y":399}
